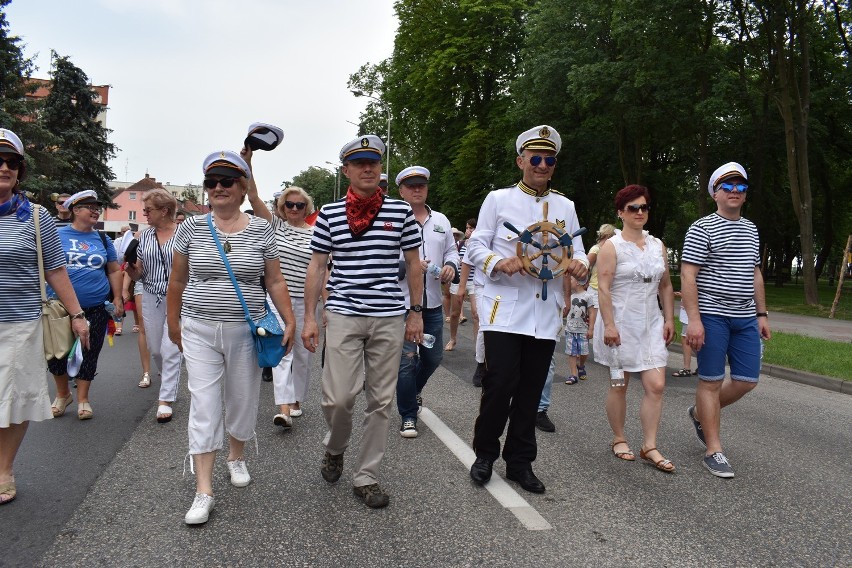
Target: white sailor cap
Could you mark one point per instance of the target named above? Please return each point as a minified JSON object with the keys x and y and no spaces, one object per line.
{"x":413,"y":175}
{"x":369,"y":147}
{"x":729,"y":170}
{"x":383,"y":178}
{"x":276,"y":195}
{"x":542,"y":137}
{"x":81,"y":198}
{"x":262,"y":136}
{"x":226,"y":163}
{"x":10,"y":143}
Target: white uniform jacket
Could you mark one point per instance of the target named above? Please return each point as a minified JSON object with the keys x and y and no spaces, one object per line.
{"x":438,"y":245}
{"x":513,"y":304}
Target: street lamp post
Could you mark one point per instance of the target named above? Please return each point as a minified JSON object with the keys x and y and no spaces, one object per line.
{"x":387,"y":110}
{"x":337,"y":187}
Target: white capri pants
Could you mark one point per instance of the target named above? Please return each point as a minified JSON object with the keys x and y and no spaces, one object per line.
{"x":166,"y":354}
{"x":291,"y":377}
{"x":220,"y":356}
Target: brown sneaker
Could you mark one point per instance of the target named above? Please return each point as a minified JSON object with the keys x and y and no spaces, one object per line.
{"x":372,"y":495}
{"x":332,"y":467}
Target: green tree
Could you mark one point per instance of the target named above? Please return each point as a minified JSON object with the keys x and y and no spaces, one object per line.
{"x":70,"y":113}
{"x":318,"y":182}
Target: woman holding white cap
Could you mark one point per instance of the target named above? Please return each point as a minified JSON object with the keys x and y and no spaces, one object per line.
{"x":23,"y":390}
{"x":92,"y":264}
{"x":207,"y":322}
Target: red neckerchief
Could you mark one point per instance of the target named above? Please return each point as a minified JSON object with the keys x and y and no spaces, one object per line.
{"x":360,"y":211}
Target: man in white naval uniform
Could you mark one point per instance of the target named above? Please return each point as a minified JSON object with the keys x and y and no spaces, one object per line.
{"x":519,"y":324}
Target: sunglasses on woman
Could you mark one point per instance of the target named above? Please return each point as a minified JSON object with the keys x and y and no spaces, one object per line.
{"x":734,"y":187}
{"x":227,"y":183}
{"x":637,"y":208}
{"x":12,"y":163}
{"x":549,"y":161}
{"x":91,"y":207}
{"x":297,"y":204}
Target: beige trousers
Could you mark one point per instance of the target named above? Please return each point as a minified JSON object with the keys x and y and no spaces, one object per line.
{"x":360,"y":350}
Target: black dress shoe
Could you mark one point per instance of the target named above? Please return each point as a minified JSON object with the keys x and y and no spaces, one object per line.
{"x":480,"y":471}
{"x":543,"y":423}
{"x":267,"y":374}
{"x":526,"y":479}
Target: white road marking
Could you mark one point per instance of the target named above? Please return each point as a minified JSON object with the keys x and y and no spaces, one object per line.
{"x":498,"y":487}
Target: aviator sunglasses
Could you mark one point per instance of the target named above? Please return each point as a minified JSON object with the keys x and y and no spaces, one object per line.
{"x":210,"y":183}
{"x":549,"y":161}
{"x":13,"y":163}
{"x":637,"y":208}
{"x":297,"y":205}
{"x":733,"y":187}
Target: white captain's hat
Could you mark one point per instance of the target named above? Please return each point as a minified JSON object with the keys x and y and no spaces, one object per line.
{"x":368,"y":147}
{"x":85,"y":197}
{"x":729,"y":170}
{"x":542,"y":137}
{"x":226,"y":163}
{"x":10,"y":143}
{"x":262,"y":136}
{"x":413,"y":175}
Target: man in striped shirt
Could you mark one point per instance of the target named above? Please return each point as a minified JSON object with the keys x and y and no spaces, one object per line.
{"x":365,"y":310}
{"x":723,"y":296}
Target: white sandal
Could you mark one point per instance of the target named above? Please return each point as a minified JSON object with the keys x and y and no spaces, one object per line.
{"x":146,"y":381}
{"x":164,"y":413}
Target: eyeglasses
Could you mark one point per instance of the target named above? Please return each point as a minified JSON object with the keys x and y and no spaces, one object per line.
{"x":147,"y":210}
{"x":13,"y":163}
{"x":549,"y":161}
{"x":91,"y":207}
{"x":210,"y":183}
{"x":637,"y":208}
{"x":297,"y":204}
{"x":733,"y":187}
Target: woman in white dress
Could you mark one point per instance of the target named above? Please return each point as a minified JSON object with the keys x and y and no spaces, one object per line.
{"x":632,"y":273}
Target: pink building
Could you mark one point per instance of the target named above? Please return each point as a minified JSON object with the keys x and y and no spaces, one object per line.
{"x":130,"y":205}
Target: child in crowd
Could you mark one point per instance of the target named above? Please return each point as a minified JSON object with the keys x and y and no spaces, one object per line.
{"x":576,"y":332}
{"x":686,"y":371}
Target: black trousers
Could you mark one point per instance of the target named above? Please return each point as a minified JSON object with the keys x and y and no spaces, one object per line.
{"x":516,"y":368}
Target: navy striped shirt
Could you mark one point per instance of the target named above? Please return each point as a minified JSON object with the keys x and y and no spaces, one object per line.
{"x":209,"y":294}
{"x":294,"y":249}
{"x":20,"y":298}
{"x":364,"y":277}
{"x":727,"y":252}
{"x":156,"y":261}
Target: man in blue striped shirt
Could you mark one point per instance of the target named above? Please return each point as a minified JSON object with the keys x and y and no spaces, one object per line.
{"x":722,"y":289}
{"x":364,"y":233}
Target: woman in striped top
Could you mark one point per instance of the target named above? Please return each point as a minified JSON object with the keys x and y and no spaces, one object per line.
{"x":23,"y":389}
{"x":290,"y":378}
{"x":153,"y":267}
{"x":207,"y":322}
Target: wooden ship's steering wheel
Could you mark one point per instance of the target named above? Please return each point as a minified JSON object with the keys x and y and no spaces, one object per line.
{"x":551,"y":238}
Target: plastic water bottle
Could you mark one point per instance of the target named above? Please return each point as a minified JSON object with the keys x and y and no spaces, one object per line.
{"x":616,"y":372}
{"x":434,"y":270}
{"x":110,"y":308}
{"x":428,"y":341}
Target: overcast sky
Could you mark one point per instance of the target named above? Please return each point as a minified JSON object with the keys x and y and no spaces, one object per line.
{"x":189,"y":76}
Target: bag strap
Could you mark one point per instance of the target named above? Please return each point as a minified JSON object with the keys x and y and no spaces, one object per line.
{"x":230,"y":271}
{"x":41,"y":283}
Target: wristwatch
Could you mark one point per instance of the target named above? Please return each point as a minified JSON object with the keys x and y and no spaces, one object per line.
{"x":79,"y":316}
{"x":762,"y":315}
{"x":417,"y":308}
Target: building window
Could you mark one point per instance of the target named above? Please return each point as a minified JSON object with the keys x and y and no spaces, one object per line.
{"x":131,"y":215}
{"x":132,"y":196}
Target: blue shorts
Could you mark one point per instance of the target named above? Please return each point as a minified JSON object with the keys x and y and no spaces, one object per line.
{"x":576,"y":344}
{"x":734,"y":339}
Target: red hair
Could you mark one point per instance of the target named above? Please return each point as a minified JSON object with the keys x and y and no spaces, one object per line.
{"x":629,"y":193}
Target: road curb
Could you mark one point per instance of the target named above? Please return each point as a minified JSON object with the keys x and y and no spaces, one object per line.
{"x":802,"y":377}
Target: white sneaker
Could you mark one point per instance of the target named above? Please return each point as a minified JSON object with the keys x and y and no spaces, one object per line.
{"x":239,"y":474}
{"x":200,"y":510}
{"x":282,"y":420}
{"x":295,"y":412}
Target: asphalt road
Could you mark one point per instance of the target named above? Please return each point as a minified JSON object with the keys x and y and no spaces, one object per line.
{"x":111,"y":491}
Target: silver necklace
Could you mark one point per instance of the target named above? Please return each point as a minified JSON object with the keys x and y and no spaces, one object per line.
{"x":226,"y":246}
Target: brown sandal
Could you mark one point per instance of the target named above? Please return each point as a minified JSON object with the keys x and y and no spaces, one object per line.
{"x":663,"y":465}
{"x":626,"y":456}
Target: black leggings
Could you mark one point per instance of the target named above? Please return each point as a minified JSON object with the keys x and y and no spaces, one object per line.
{"x":98,"y":318}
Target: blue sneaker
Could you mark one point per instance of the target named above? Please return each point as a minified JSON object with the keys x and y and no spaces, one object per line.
{"x":718,"y":465}
{"x":698,"y":431}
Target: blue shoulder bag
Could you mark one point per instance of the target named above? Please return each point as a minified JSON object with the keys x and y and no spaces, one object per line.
{"x":267,"y":331}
